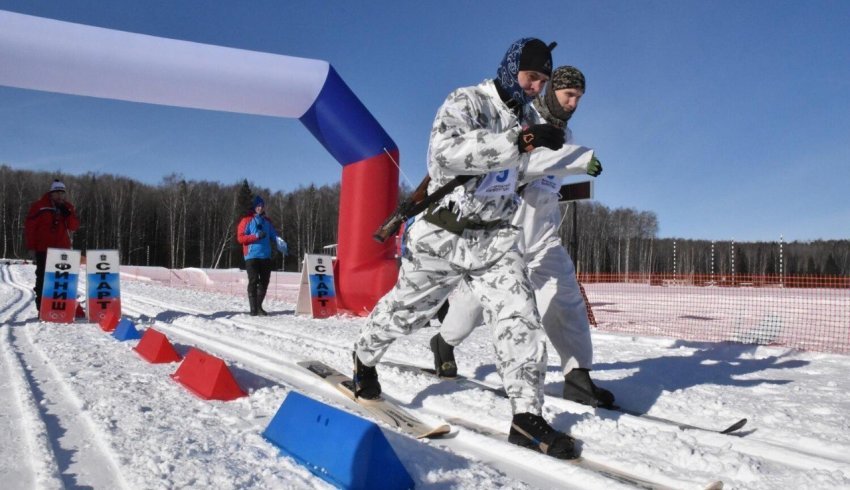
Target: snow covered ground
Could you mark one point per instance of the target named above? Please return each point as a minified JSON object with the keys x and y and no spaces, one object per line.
{"x":79,"y":409}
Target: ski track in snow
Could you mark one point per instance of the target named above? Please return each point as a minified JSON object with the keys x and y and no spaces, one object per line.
{"x":96,"y":415}
{"x":180,"y":326}
{"x":75,"y":444}
{"x":271,"y":363}
{"x":807,"y":453}
{"x":19,"y":412}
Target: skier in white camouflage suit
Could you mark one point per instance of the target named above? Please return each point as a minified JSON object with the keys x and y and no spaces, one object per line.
{"x":491,"y":132}
{"x":552,"y":273}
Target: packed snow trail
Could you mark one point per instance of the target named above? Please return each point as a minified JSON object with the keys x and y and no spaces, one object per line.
{"x":20,"y":420}
{"x":72,"y":440}
{"x":159,"y":435}
{"x":747,"y":453}
{"x":282,"y":366}
{"x":806,"y":455}
{"x":516,"y":462}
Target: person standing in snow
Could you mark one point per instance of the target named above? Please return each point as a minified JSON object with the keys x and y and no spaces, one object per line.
{"x":490,"y":132}
{"x":550,"y":268}
{"x":257,"y":235}
{"x":49,"y":224}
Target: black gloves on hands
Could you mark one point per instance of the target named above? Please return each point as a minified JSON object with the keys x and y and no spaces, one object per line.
{"x":539,"y":135}
{"x":261,"y":234}
{"x":63,"y":208}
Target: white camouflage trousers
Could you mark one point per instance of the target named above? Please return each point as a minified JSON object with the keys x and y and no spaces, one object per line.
{"x":559,"y":302}
{"x":490,"y":266}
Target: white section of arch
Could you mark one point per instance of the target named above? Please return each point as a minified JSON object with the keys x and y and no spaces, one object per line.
{"x":56,"y":56}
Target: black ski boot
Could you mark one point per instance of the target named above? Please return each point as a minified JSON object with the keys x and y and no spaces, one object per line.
{"x":261,"y":296}
{"x":366,"y":383}
{"x":252,"y":302}
{"x":532,"y":431}
{"x":579,"y":388}
{"x":444,"y":357}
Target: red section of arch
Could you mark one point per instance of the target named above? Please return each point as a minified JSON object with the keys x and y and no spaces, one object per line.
{"x":366,"y":269}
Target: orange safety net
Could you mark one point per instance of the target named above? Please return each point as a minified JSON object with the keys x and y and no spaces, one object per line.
{"x":803,"y":312}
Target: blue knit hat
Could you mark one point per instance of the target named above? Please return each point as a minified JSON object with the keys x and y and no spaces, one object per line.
{"x":257,"y":201}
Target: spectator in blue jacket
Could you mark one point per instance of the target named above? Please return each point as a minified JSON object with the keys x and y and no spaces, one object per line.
{"x":257,"y":235}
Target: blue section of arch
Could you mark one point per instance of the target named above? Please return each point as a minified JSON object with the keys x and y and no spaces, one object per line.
{"x":343,"y":125}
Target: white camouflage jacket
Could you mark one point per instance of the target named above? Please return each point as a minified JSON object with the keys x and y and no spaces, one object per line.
{"x":539,"y":213}
{"x":475,"y":133}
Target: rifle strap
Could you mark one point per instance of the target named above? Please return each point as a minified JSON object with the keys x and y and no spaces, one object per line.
{"x":448,"y":220}
{"x":438,"y":194}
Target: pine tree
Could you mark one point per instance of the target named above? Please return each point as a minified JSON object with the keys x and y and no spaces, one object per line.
{"x":743,"y":263}
{"x":243,"y":199}
{"x":831,"y":268}
{"x":242,"y":204}
{"x":812,"y":268}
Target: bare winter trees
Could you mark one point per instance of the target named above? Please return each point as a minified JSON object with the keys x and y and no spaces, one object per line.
{"x":180,"y":223}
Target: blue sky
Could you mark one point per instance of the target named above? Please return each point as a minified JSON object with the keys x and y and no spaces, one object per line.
{"x":728,"y":119}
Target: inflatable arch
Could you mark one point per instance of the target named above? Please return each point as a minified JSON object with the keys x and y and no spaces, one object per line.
{"x":56,"y":56}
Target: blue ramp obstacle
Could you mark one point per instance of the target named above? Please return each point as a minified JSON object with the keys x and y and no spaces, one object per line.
{"x":339,"y":447}
{"x":126,"y":330}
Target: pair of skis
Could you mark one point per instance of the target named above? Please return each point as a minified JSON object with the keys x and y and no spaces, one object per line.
{"x":395,"y":416}
{"x":381,"y":409}
{"x":476,"y":384}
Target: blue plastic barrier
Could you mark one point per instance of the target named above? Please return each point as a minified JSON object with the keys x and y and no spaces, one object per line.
{"x":126,"y":330}
{"x":339,"y":447}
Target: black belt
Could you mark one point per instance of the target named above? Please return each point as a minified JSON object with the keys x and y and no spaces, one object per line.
{"x":448,"y":220}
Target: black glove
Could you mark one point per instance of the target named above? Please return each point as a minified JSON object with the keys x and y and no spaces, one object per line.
{"x":261,"y":234}
{"x":539,"y":135}
{"x":63,"y":208}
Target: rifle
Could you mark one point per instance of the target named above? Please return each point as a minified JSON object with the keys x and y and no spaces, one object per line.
{"x":415,"y":204}
{"x":402,"y":212}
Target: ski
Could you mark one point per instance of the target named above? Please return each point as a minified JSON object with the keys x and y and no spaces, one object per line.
{"x":381,"y":409}
{"x":476,"y":384}
{"x":393,"y":415}
{"x":728,"y":430}
{"x":583,"y":462}
{"x":459,"y":379}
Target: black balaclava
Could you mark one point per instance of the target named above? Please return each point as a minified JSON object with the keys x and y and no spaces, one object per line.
{"x":527,"y":53}
{"x":547,"y":103}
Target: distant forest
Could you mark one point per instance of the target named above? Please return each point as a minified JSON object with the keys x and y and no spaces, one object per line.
{"x":180,"y":223}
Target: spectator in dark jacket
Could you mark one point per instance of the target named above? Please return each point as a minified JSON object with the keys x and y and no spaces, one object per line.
{"x":258,"y":236}
{"x":49,"y":224}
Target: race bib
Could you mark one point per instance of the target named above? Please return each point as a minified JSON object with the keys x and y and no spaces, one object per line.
{"x":496,"y":184}
{"x":550,"y":183}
